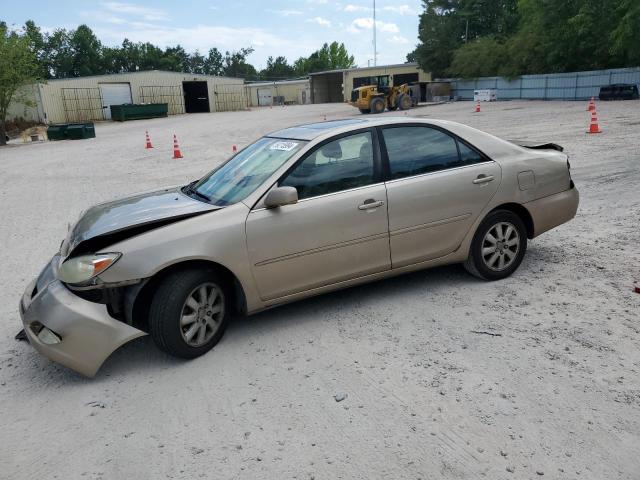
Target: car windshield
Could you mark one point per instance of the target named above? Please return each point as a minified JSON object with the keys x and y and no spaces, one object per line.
{"x":240,"y":176}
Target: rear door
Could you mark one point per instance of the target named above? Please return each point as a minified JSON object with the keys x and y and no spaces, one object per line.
{"x":437,"y":186}
{"x":114,"y":94}
{"x":337,"y":231}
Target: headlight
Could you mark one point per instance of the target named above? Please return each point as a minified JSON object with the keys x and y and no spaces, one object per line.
{"x":82,"y":269}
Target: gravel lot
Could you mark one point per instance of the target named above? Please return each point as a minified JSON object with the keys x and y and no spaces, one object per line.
{"x":557,"y":393}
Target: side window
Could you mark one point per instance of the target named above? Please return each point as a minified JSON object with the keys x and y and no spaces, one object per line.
{"x":339,"y":165}
{"x":469,"y":156}
{"x":417,"y":150}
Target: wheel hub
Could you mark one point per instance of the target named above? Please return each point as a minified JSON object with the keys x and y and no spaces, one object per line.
{"x":201,"y":314}
{"x":500,"y":246}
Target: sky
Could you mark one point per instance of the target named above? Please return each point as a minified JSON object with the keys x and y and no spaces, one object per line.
{"x":291,"y":28}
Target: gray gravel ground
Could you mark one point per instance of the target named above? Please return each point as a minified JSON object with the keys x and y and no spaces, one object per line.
{"x":558,"y":393}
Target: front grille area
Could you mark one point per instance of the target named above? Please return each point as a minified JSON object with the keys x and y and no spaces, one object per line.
{"x":354,"y":95}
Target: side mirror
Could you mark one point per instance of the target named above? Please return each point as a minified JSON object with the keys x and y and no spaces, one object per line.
{"x":281,"y":196}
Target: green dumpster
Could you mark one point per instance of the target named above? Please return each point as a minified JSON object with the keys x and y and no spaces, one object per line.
{"x":56,"y":132}
{"x":122,"y":113}
{"x":73,"y":131}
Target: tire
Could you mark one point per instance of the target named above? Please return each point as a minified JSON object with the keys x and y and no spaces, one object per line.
{"x":498,"y":264}
{"x":364,"y":110}
{"x":377,"y":105}
{"x":404,"y":101}
{"x":170,"y":306}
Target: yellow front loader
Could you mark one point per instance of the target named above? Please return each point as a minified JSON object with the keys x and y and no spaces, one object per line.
{"x":375,"y":99}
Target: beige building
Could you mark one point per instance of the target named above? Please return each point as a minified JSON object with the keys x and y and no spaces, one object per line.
{"x":89,"y":98}
{"x":336,"y":85}
{"x":286,"y":92}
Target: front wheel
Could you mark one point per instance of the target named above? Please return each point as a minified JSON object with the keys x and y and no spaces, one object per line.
{"x":189,"y":313}
{"x":498,"y":246}
{"x":377,"y":105}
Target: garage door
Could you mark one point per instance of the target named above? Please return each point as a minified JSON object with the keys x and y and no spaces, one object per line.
{"x":114,"y":94}
{"x":265,"y":97}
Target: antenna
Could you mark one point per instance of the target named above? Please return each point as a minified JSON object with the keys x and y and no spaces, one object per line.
{"x":375,"y":47}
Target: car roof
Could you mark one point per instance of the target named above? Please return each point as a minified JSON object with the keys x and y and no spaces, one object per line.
{"x":493,"y":147}
{"x":310,"y":131}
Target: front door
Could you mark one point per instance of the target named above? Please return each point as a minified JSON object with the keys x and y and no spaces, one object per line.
{"x":338,"y":230}
{"x":437,"y":188}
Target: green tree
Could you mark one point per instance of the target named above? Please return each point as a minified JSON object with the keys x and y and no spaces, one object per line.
{"x":440,"y":33}
{"x":214,"y":63}
{"x":86,"y":52}
{"x":479,"y":58}
{"x":277,"y":69}
{"x":332,"y":56}
{"x":235,"y":64}
{"x":18,"y":69}
{"x":624,"y":38}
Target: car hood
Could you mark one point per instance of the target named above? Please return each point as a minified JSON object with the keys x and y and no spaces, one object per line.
{"x":108,"y":223}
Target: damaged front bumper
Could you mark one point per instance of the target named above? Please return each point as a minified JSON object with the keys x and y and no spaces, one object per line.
{"x":69,"y":330}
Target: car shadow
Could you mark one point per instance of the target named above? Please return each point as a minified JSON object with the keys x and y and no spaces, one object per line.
{"x":142,"y":355}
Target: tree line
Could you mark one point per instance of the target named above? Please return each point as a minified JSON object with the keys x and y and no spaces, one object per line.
{"x":474,"y":38}
{"x":78,"y":52}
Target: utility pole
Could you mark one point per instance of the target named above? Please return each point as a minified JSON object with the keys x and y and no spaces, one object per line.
{"x":375,"y":46}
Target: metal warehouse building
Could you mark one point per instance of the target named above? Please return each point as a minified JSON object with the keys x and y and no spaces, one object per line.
{"x":285,"y":92}
{"x":89,"y":98}
{"x":335,"y":85}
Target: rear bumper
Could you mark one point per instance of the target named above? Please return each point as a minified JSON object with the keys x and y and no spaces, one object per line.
{"x":554,"y":210}
{"x":68,"y":329}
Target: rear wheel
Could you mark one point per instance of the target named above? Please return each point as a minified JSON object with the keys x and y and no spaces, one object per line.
{"x":189,"y":313}
{"x":404,"y":101}
{"x":364,"y":110}
{"x":377,"y":105}
{"x":498,"y":246}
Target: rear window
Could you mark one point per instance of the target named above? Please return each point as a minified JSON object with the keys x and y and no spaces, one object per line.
{"x":418,"y":150}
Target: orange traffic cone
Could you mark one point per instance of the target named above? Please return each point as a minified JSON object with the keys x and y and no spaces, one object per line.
{"x":176,"y":148}
{"x":593,"y":126}
{"x":148,"y":145}
{"x":234,"y":149}
{"x":477,"y":110}
{"x":592,"y":105}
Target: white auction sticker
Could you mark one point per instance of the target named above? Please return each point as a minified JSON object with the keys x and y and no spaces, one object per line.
{"x":285,"y":146}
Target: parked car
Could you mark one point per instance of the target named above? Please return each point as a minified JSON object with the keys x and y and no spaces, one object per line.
{"x":619,"y":91}
{"x":302,"y":211}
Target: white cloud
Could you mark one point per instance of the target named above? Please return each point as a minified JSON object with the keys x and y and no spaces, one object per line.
{"x":401,"y":9}
{"x":151,"y":14}
{"x":398,"y":40}
{"x":318,"y":2}
{"x":323,"y":22}
{"x":287,"y":13}
{"x":103,"y":17}
{"x":355,"y":8}
{"x":366,"y":23}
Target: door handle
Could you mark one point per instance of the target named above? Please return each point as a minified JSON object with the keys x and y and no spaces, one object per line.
{"x":370,"y":203}
{"x":482,"y":178}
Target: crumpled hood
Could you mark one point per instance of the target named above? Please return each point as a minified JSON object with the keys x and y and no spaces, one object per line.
{"x":116,"y":220}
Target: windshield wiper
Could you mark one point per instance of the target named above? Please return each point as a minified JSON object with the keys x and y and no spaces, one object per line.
{"x":189,"y":190}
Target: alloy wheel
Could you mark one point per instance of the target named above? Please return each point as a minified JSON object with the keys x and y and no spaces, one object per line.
{"x":500,"y":246}
{"x":202,"y":313}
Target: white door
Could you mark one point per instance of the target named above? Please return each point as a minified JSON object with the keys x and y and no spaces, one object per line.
{"x":265,"y":97}
{"x":114,"y":94}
